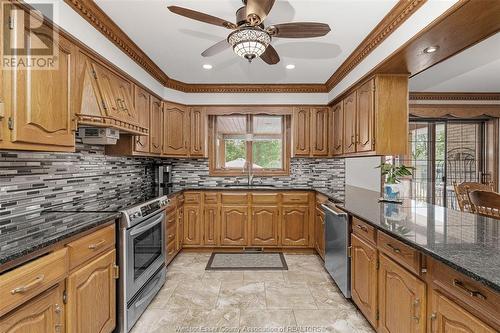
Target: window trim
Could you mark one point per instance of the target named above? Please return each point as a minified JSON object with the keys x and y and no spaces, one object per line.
{"x":212,"y":157}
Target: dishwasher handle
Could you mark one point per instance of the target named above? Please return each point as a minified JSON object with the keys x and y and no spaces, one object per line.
{"x":333,"y":211}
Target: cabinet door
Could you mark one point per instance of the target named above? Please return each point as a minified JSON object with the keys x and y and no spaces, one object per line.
{"x":156,"y":125}
{"x":264,"y":226}
{"x":401,"y":299}
{"x":319,"y":131}
{"x":42,"y":314}
{"x":364,"y":278}
{"x":123,"y":92}
{"x":365,"y":117}
{"x":301,"y":132}
{"x":42,"y":99}
{"x":175,"y":130}
{"x":105,"y":83}
{"x":91,"y":304}
{"x":447,"y":316}
{"x":198,"y":132}
{"x":211,"y":225}
{"x":349,"y":141}
{"x":141,"y":103}
{"x":180,"y":226}
{"x":192,"y":225}
{"x":319,"y":230}
{"x":338,"y":129}
{"x":295,"y":226}
{"x":234,"y":222}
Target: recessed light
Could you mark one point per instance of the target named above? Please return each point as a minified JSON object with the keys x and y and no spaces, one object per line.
{"x":290,"y":66}
{"x":431,"y":49}
{"x":207,"y":66}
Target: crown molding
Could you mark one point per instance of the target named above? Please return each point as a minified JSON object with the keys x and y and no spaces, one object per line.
{"x":393,"y":20}
{"x":454,"y":96}
{"x":93,"y":14}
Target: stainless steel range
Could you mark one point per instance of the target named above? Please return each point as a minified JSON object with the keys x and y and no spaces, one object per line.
{"x":142,"y":259}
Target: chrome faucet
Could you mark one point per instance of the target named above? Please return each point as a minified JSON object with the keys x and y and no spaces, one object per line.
{"x":249,"y":173}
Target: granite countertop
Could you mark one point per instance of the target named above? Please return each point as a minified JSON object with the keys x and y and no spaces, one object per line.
{"x":47,"y":228}
{"x":467,"y":242}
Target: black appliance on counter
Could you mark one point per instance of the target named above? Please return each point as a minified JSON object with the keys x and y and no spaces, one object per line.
{"x":163,"y":179}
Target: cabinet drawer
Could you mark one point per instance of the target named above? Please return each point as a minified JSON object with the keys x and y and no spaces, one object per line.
{"x":211,"y":198}
{"x":364,"y":230}
{"x":171,"y":232}
{"x":234,"y":198}
{"x":403,"y":254}
{"x":88,"y":246}
{"x":192,"y":198}
{"x":476,"y":297}
{"x":23,"y":283}
{"x":265,"y":198}
{"x":296,"y":198}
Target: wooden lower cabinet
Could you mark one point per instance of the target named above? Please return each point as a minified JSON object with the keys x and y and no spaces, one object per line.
{"x":91,"y":303}
{"x":364,"y":277}
{"x":234,"y":222}
{"x":319,"y":232}
{"x":295,"y":226}
{"x":446,"y":317}
{"x":192,"y":225}
{"x":211,"y":221}
{"x":42,"y":314}
{"x":264,"y":226}
{"x":401,"y":299}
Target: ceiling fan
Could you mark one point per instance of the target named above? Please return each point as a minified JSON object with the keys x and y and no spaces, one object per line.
{"x":250,"y":38}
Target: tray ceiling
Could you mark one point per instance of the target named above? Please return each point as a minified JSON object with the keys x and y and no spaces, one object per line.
{"x":174,"y":43}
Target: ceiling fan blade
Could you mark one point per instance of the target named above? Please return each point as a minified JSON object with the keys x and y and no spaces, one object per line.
{"x":198,"y":16}
{"x":216,"y":48}
{"x":299,"y":30}
{"x":270,"y":56}
{"x":257,"y":10}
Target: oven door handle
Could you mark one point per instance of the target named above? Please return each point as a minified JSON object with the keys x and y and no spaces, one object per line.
{"x":142,"y":228}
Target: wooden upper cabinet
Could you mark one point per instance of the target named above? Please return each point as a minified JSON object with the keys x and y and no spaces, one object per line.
{"x":349,"y":140}
{"x":42,"y":314}
{"x":156,"y":125}
{"x":337,"y":132}
{"x":446,"y":316}
{"x":364,"y":278}
{"x":319,"y":131}
{"x":295,"y":226}
{"x":192,"y":225}
{"x":141,"y":104}
{"x":365,"y":117}
{"x":302,"y":131}
{"x":234,"y":222}
{"x":91,"y":304}
{"x":39,"y":103}
{"x":401,"y":299}
{"x":198,"y":133}
{"x":175,"y":130}
{"x":264,"y":226}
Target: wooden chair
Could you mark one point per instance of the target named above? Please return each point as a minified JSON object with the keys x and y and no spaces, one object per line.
{"x":461,"y":192}
{"x":485,"y":203}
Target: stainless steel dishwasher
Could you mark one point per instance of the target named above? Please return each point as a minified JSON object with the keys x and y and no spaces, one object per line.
{"x":337,"y":261}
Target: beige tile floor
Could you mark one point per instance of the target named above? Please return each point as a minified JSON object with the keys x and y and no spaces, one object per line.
{"x":302,"y":299}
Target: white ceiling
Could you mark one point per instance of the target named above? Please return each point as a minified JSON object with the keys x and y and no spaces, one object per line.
{"x":175,"y":43}
{"x":476,"y":69}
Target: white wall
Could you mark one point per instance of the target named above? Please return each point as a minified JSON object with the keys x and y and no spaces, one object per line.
{"x":362,"y":172}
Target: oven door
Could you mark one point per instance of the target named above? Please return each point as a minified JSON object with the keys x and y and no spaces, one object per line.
{"x":145,"y":252}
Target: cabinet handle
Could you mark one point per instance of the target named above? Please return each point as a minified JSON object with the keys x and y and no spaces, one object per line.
{"x":416,"y":305}
{"x":97,"y":245}
{"x":171,"y":236}
{"x":472,"y":293}
{"x":393,"y":248}
{"x":433,"y":319}
{"x":2,"y":109}
{"x":27,"y":287}
{"x":362,"y":227}
{"x":352,"y":139}
{"x":58,"y":311}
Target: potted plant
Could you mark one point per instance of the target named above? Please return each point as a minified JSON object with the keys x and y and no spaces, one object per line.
{"x":393,"y":174}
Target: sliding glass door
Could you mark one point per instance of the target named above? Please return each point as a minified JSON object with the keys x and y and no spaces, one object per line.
{"x":444,"y":152}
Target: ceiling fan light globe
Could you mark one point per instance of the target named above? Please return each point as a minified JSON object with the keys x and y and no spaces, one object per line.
{"x":249,"y":43}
